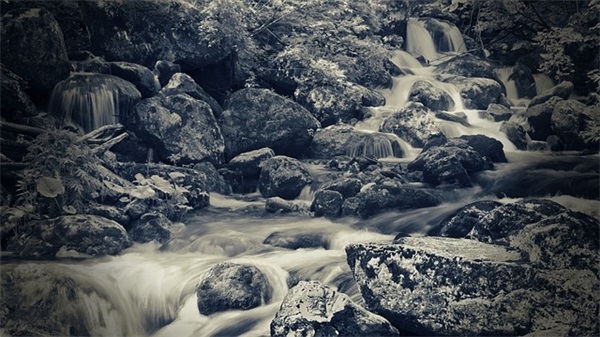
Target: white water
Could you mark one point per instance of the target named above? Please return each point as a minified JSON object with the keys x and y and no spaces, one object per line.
{"x":420,"y":41}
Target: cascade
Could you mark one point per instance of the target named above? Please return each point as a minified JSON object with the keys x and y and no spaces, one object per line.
{"x":404,"y":59}
{"x":432,"y":37}
{"x":511,"y":87}
{"x":376,"y":145}
{"x":447,"y":37}
{"x":419,"y":41}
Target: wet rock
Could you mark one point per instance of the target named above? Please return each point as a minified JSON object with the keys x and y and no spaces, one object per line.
{"x":392,"y":197}
{"x":283,"y":177}
{"x":230,"y":286}
{"x":539,"y":118}
{"x":455,"y":118}
{"x":434,"y":98}
{"x":344,"y":140}
{"x":164,"y":70}
{"x":350,"y":206}
{"x":85,"y":234}
{"x":92,"y":100}
{"x":327,"y":203}
{"x":181,"y":83}
{"x":516,"y":134}
{"x":312,"y":309}
{"x":182,"y":129}
{"x":496,"y":112}
{"x":110,"y":212}
{"x":468,"y":65}
{"x":169,"y":30}
{"x":41,"y":58}
{"x":142,"y":77}
{"x":297,"y":240}
{"x":486,"y":147}
{"x":562,"y":90}
{"x":86,"y":62}
{"x":16,"y":104}
{"x":414,"y":123}
{"x":214,"y":181}
{"x":524,"y":81}
{"x":248,"y":163}
{"x":135,"y":209}
{"x":569,"y":118}
{"x":279,"y":205}
{"x":459,"y":224}
{"x":554,"y":143}
{"x":444,"y":286}
{"x":477,"y":92}
{"x":347,"y":187}
{"x":257,"y":118}
{"x":153,"y":226}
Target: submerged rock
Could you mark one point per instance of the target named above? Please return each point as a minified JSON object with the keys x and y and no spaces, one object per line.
{"x":85,"y":234}
{"x":312,"y":309}
{"x":279,"y":205}
{"x":297,"y":240}
{"x":283,"y":177}
{"x":414,"y":124}
{"x":230,"y":286}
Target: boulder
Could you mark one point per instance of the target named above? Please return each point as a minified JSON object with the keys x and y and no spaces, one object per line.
{"x":515,"y":133}
{"x":86,"y":62}
{"x":562,"y":90}
{"x":460,"y":223}
{"x":41,"y":58}
{"x":414,"y":123}
{"x":113,"y":213}
{"x":169,"y":30}
{"x":248,"y":163}
{"x":347,"y":187}
{"x":85,"y":234}
{"x":257,"y":118}
{"x":539,"y":118}
{"x":432,"y":97}
{"x":230,"y":286}
{"x":214,"y":181}
{"x":344,"y":140}
{"x":143,"y":78}
{"x":279,"y":205}
{"x":313,"y":309}
{"x":459,"y":118}
{"x":380,"y":198}
{"x":486,"y":146}
{"x":327,"y":203}
{"x":524,"y":80}
{"x":153,"y":226}
{"x":446,"y":286}
{"x":284,"y":177}
{"x":180,"y":128}
{"x":164,"y":70}
{"x":351,"y":206}
{"x":90,"y":101}
{"x":468,"y":65}
{"x":569,"y":118}
{"x":496,"y":112}
{"x":297,"y":240}
{"x":181,"y":83}
{"x":16,"y":104}
{"x":478,"y":92}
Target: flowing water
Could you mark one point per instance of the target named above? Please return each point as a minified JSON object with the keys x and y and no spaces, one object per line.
{"x":149,"y":289}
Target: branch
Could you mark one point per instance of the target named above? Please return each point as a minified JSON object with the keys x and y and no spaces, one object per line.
{"x":107,"y":145}
{"x":23,"y":129}
{"x":102,"y":134}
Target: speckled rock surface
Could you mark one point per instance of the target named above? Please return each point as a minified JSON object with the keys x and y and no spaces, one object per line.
{"x":312,"y":309}
{"x":283,"y":177}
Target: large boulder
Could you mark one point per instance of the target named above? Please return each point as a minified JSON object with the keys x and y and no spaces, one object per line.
{"x":248,"y":163}
{"x":539,"y":118}
{"x":478,"y":92}
{"x":487,"y":147}
{"x":380,"y":198}
{"x":90,"y":101}
{"x":569,"y":118}
{"x":414,"y":124}
{"x":446,"y":286}
{"x":562,"y":90}
{"x":153,"y":226}
{"x":313,"y":309}
{"x":344,"y":140}
{"x":230,"y":286}
{"x":431,"y":96}
{"x":171,"y":30}
{"x":16,"y":104}
{"x":142,"y":77}
{"x":467,"y":65}
{"x":283,"y":177}
{"x":180,"y":128}
{"x":459,"y":224}
{"x":257,"y":118}
{"x":85,"y":234}
{"x":327,"y":203}
{"x":181,"y":83}
{"x":37,"y":49}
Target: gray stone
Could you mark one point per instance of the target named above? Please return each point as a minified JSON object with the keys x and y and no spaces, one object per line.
{"x":283,"y":177}
{"x":327,"y":203}
{"x":181,"y":83}
{"x":248,"y":163}
{"x":562,"y":90}
{"x":142,"y":77}
{"x":414,"y":124}
{"x":153,"y":226}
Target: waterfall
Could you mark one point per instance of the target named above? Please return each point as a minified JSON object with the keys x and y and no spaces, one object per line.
{"x":448,"y":38}
{"x":504,"y":74}
{"x":376,"y":145}
{"x":403,"y":59}
{"x":419,"y":41}
{"x":430,"y":37}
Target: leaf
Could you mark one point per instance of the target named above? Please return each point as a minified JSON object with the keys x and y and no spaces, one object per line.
{"x":114,"y":187}
{"x":162,"y":184}
{"x":175,"y":175}
{"x":70,"y":209}
{"x":49,"y":187}
{"x":142,"y":192}
{"x":124,"y":199}
{"x":140,"y":178}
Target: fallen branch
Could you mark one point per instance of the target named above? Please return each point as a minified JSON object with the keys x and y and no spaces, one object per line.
{"x":23,"y":129}
{"x":102,"y":134}
{"x":108,"y":144}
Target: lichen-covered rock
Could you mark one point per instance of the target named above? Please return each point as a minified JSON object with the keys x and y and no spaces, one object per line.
{"x":284,"y":177}
{"x":445,"y":286}
{"x":414,"y":124}
{"x":539,"y":118}
{"x":327,"y":203}
{"x":110,"y":212}
{"x":181,"y":128}
{"x":496,"y":112}
{"x":569,"y":118}
{"x":37,"y":49}
{"x":164,"y":70}
{"x":257,"y":118}
{"x":388,"y":197}
{"x":297,"y":240}
{"x":312,"y":309}
{"x":477,"y":92}
{"x":562,"y":90}
{"x":16,"y":104}
{"x":248,"y":163}
{"x":516,"y":133}
{"x":459,"y":224}
{"x":486,"y":146}
{"x":230,"y":286}
{"x":468,"y":65}
{"x":348,"y":187}
{"x":153,"y":226}
{"x":181,"y":83}
{"x":143,"y":78}
{"x":85,"y":234}
{"x":279,"y":205}
{"x":432,"y":97}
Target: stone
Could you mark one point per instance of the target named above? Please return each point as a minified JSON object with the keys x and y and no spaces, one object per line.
{"x":284,"y":177}
{"x":496,"y":112}
{"x":229,"y":286}
{"x":351,"y":206}
{"x":486,"y":146}
{"x":413,"y":123}
{"x":524,"y":81}
{"x":432,"y":97}
{"x":142,"y":77}
{"x":214,"y":181}
{"x":85,"y":234}
{"x":562,"y":90}
{"x":313,"y":309}
{"x":555,"y":143}
{"x":455,"y":118}
{"x":478,"y":92}
{"x":539,"y":118}
{"x":110,"y":212}
{"x":153,"y":226}
{"x":347,"y":187}
{"x":279,"y":205}
{"x":257,"y":118}
{"x":248,"y":163}
{"x":297,"y":240}
{"x":180,"y":128}
{"x":516,"y":134}
{"x":569,"y":118}
{"x":327,"y":203}
{"x":41,"y":58}
{"x":181,"y":83}
{"x":380,"y":198}
{"x":468,"y":65}
{"x":460,"y":223}
{"x":164,"y":70}
{"x":16,"y":104}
